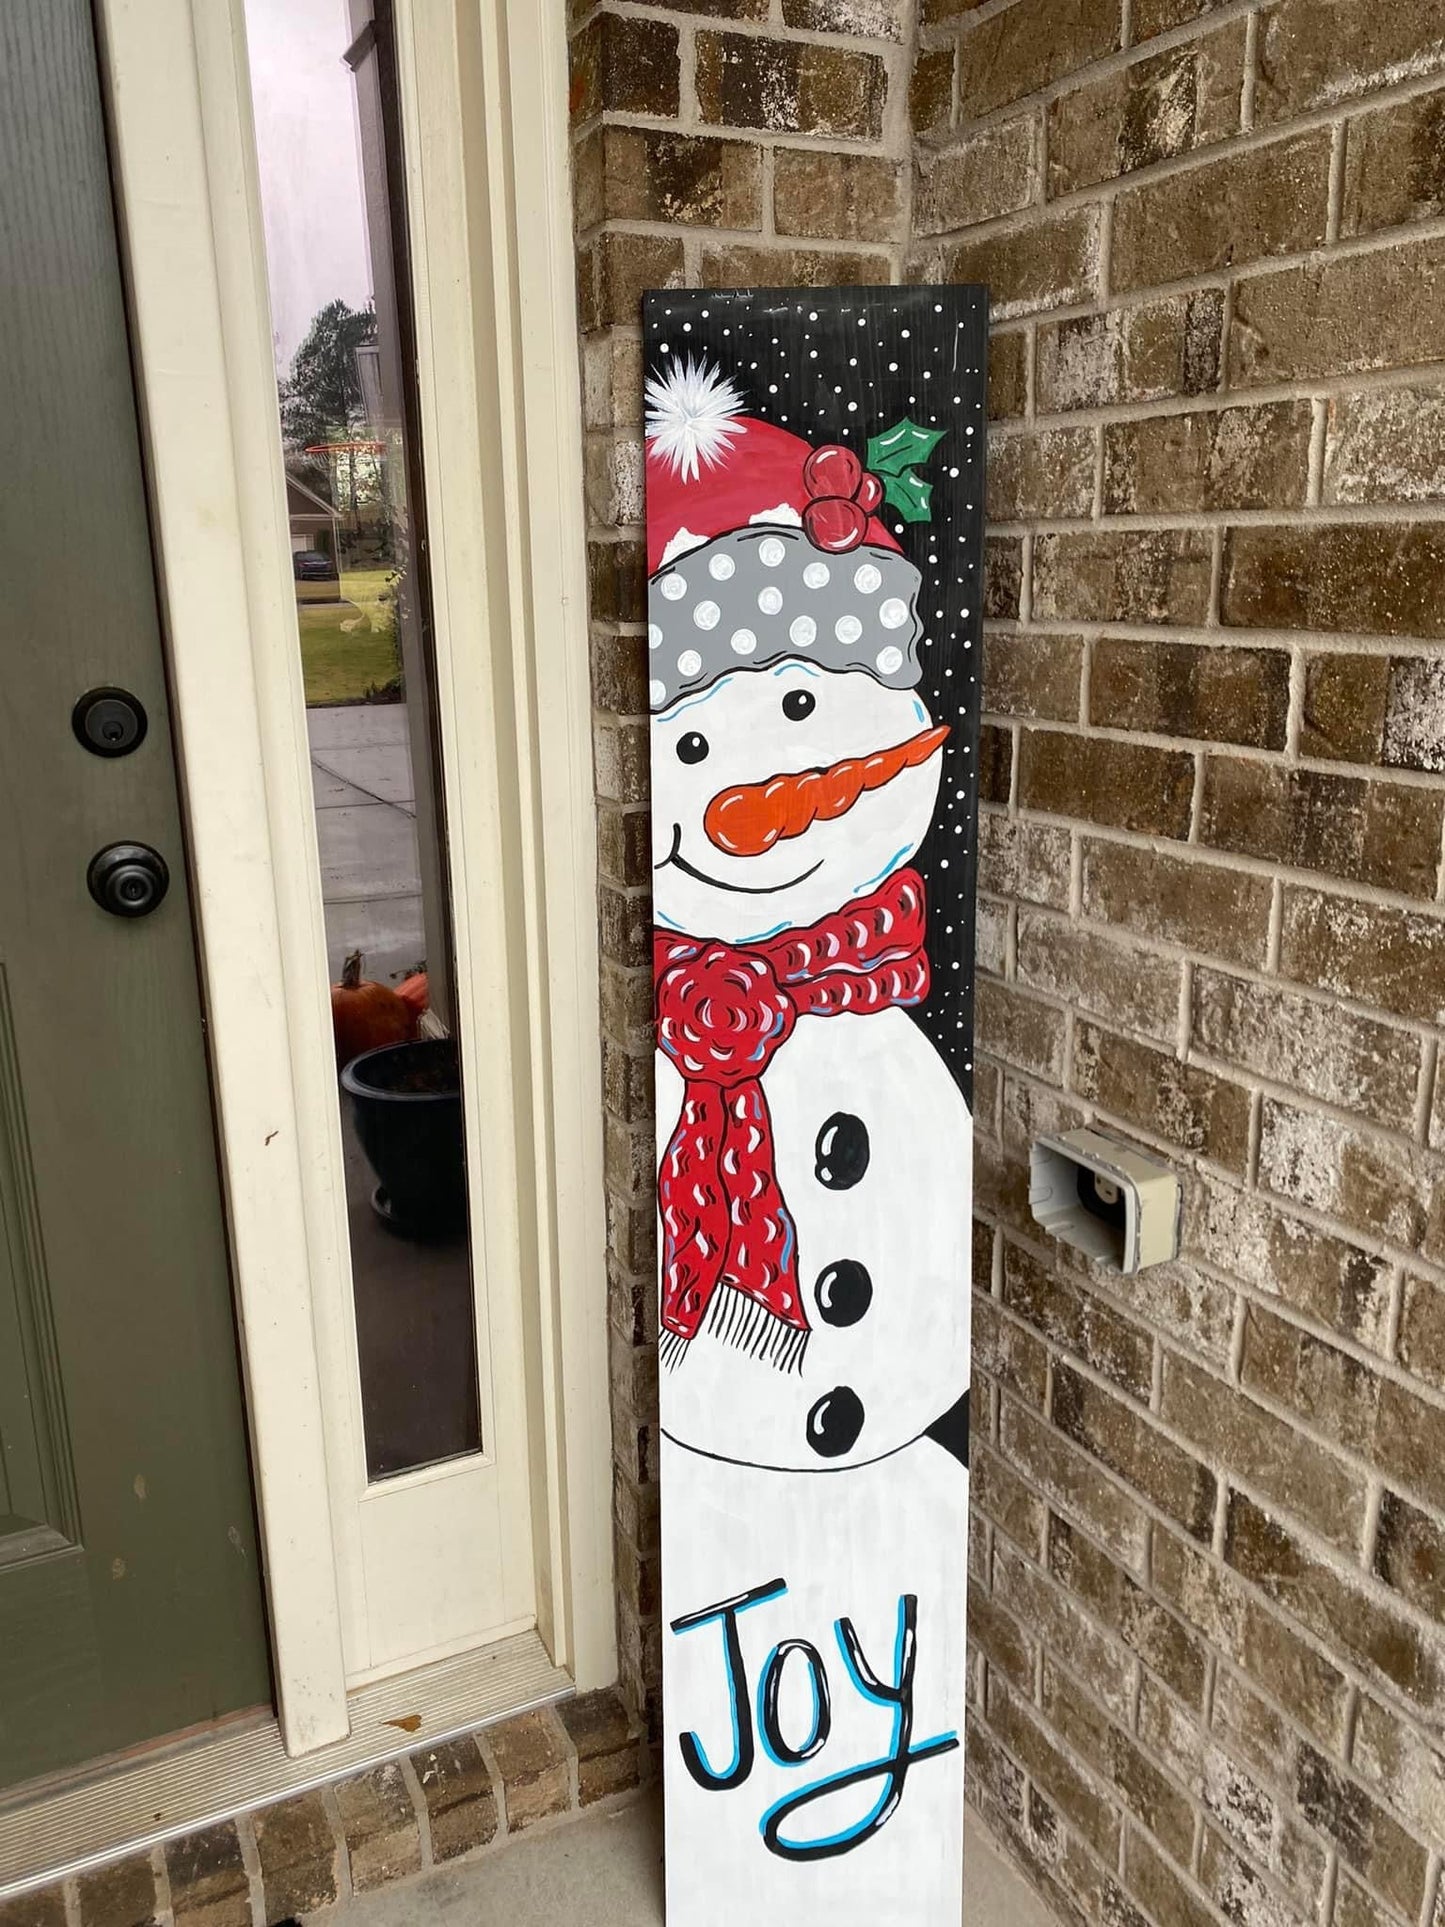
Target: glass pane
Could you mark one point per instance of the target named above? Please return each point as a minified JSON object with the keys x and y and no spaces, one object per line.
{"x":326,"y":130}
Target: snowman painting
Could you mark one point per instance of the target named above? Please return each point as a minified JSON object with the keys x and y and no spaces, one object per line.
{"x":814,"y":1155}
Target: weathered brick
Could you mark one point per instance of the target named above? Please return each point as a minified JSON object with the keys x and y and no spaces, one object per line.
{"x":1002,"y":576}
{"x":1384,"y":580}
{"x":842,"y":197}
{"x":1150,"y":111}
{"x":1306,"y":60}
{"x":997,"y":1491}
{"x":1161,"y":1887}
{"x":1422,"y":1330}
{"x":1020,"y":1029}
{"x":209,"y":1883}
{"x":1152,"y":17}
{"x":1182,"y":1304}
{"x":120,"y":1895}
{"x":1410,"y":1554}
{"x":1353,"y":1062}
{"x":1392,"y":958}
{"x":1387,"y":445}
{"x":789,"y":86}
{"x":1095,"y":972}
{"x":1219,"y":912}
{"x":1009,"y":1353}
{"x":745,"y":267}
{"x":1043,"y":264}
{"x":1143,"y":1790}
{"x":930,"y":93}
{"x":1034,"y":676}
{"x":607,"y":1744}
{"x":1008,"y":356}
{"x":299,"y":1855}
{"x":531,"y":1762}
{"x":1402,"y":1762}
{"x":1370,"y":1182}
{"x":1355,"y":1907}
{"x":1415,"y":714}
{"x":612,"y":382}
{"x":1146,"y":352}
{"x":1180,"y":689}
{"x":380,"y":1826}
{"x":1029,"y":860}
{"x":990,"y":936}
{"x":1368,"y":1838}
{"x":979,"y":179}
{"x":1180,"y":1103}
{"x":1236,"y":1621}
{"x":624,"y":845}
{"x":1136,"y":1450}
{"x":1229,"y":458}
{"x":995,"y":764}
{"x":1380,"y":310}
{"x":1370,"y":832}
{"x":624,"y":65}
{"x":1070,"y":1479}
{"x":1344,"y":708}
{"x":1146,"y":1627}
{"x":1223,"y":213}
{"x":1148,"y":575}
{"x":1235,"y":1886}
{"x":1013,"y":54}
{"x":1267,"y":1452}
{"x":1036,"y":476}
{"x":1394,"y":170}
{"x":460,"y":1802}
{"x":1128,"y":786}
{"x":41,"y":1907}
{"x":1000,"y":1638}
{"x":627,"y":264}
{"x":649,"y":175}
{"x":864,"y":19}
{"x":1070,"y":1315}
{"x":1078,"y":1797}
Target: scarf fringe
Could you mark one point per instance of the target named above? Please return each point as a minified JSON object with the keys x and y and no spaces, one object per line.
{"x":735,"y":1319}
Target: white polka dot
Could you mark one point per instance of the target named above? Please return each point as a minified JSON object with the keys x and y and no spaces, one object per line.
{"x":847,"y":628}
{"x":673,"y":587}
{"x":771,"y":552}
{"x":816,"y":575}
{"x":656,"y":691}
{"x":802,"y":631}
{"x":689,"y":662}
{"x":744,"y":641}
{"x":705,"y":615}
{"x":770,"y":601}
{"x":720,"y":567}
{"x":654,"y":636}
{"x":890,"y":660}
{"x":893,"y":614}
{"x":867,"y":579}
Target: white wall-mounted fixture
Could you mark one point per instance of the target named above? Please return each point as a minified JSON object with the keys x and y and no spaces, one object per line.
{"x":1105,"y":1198}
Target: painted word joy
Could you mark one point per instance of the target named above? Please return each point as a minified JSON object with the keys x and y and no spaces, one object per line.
{"x":890,"y":1768}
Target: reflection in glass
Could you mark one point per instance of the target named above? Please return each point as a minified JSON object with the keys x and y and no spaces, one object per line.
{"x":327,"y":137}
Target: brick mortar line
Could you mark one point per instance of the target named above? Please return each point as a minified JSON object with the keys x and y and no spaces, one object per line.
{"x":1429,"y":375}
{"x":1291,"y":518}
{"x":739,"y":237}
{"x":776,"y":32}
{"x":1319,"y":642}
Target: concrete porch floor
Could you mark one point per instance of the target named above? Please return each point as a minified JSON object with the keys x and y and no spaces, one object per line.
{"x":606,"y":1871}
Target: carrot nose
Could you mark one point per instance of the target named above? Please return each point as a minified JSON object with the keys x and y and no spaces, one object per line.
{"x":751,"y":818}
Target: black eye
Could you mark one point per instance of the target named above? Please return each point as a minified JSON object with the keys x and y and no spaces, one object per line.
{"x":797,"y":704}
{"x":692,"y":748}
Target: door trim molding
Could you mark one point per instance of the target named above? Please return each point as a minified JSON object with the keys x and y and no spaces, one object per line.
{"x":489,"y":189}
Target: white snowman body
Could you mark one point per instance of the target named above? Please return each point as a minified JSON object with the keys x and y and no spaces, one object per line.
{"x":872,"y":1137}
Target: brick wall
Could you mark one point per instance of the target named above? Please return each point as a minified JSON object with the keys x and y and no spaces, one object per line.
{"x":1209,"y":1533}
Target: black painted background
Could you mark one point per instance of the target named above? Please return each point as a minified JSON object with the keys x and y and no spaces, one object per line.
{"x":840,"y":365}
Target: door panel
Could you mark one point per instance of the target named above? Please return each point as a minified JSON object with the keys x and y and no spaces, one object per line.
{"x":130,"y":1597}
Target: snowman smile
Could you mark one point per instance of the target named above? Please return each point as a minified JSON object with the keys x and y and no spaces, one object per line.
{"x":678,"y":861}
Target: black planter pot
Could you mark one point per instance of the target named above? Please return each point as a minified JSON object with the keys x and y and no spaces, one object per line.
{"x":406,"y":1104}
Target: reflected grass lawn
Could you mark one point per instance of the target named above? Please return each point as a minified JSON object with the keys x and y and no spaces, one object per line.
{"x":349,"y":647}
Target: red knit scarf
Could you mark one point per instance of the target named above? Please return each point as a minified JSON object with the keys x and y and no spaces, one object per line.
{"x":723,"y":1012}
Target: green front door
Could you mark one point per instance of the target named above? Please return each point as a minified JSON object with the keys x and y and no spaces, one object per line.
{"x":130,"y":1595}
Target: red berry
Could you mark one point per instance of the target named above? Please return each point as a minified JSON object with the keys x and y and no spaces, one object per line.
{"x":835,"y":525}
{"x":832,"y":470}
{"x":869,"y":493}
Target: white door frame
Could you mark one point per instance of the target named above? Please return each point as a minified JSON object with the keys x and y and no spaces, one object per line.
{"x":484,"y":106}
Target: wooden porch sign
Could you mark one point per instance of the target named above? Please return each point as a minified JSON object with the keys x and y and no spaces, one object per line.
{"x":814,"y":519}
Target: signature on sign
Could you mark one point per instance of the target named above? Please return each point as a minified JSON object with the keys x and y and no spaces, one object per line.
{"x":890,"y":1769}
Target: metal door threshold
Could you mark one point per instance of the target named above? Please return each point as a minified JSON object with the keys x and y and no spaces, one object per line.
{"x":65,"y":1825}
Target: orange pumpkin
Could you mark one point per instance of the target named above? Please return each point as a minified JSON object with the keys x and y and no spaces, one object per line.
{"x":366,"y":1015}
{"x":414,"y":993}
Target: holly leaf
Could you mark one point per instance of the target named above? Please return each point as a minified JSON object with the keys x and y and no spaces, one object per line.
{"x":910,"y":495}
{"x":902,"y":447}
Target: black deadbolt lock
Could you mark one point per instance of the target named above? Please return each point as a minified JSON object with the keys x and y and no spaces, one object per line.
{"x":108,"y":722}
{"x":128,"y":879}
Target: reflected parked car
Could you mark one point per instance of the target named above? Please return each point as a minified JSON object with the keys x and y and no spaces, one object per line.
{"x":317,"y":577}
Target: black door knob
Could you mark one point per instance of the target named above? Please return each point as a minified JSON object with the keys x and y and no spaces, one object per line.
{"x":128,"y":879}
